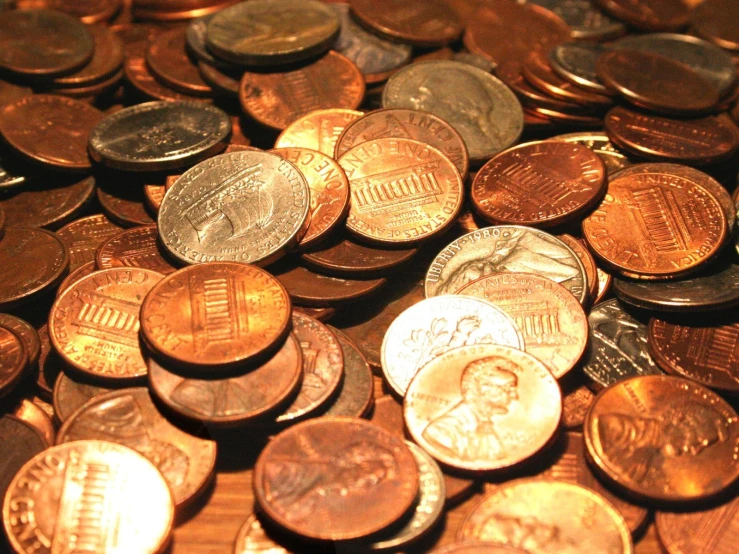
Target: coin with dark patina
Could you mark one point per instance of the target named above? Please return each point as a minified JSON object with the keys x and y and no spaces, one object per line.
{"x":123,"y":205}
{"x":70,"y":394}
{"x":21,"y":442}
{"x":348,"y":479}
{"x":700,"y":532}
{"x":714,"y":21}
{"x":90,"y":485}
{"x":356,"y":391}
{"x":648,"y":15}
{"x":169,"y":62}
{"x":45,"y":261}
{"x":84,"y":236}
{"x":27,"y":334}
{"x":663,"y":439}
{"x":13,"y":360}
{"x":89,"y":12}
{"x":137,"y":247}
{"x":318,"y":129}
{"x":587,"y":22}
{"x":159,"y":135}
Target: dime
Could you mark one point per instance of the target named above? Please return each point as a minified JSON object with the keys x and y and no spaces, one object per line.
{"x":123,"y":206}
{"x":483,"y":408}
{"x":137,"y":247}
{"x":506,"y":248}
{"x":92,"y":485}
{"x":587,"y":21}
{"x":546,"y":517}
{"x":648,"y":15}
{"x":492,"y":119}
{"x":34,"y":415}
{"x":130,"y":418}
{"x":356,"y":390}
{"x":551,"y":320}
{"x":663,"y":439}
{"x":270,"y":32}
{"x":539,"y":183}
{"x":437,"y":325}
{"x":107,"y":60}
{"x":713,"y":20}
{"x":159,"y":135}
{"x":332,"y":463}
{"x":226,"y":314}
{"x":70,"y":395}
{"x":408,"y":124}
{"x":575,"y":62}
{"x":169,"y":62}
{"x":656,"y":224}
{"x":13,"y":360}
{"x":84,"y":236}
{"x":317,"y":130}
{"x":26,"y":333}
{"x":94,"y":324}
{"x":242,"y":207}
{"x":21,"y":442}
{"x":44,"y":261}
{"x":584,"y":255}
{"x":701,"y":532}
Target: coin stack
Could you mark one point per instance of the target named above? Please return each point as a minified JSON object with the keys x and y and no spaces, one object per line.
{"x":407,"y":276}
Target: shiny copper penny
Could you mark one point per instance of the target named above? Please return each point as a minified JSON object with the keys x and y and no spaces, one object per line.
{"x":696,"y":141}
{"x":663,"y":439}
{"x":705,"y":531}
{"x":279,"y":98}
{"x":321,"y":314}
{"x":129,"y":417}
{"x":576,"y":400}
{"x":169,"y":62}
{"x":355,"y":396}
{"x":70,"y":394}
{"x":656,"y":224}
{"x":92,"y":485}
{"x":139,"y":76}
{"x":318,"y":129}
{"x":33,"y":414}
{"x":329,"y":191}
{"x":403,"y":191}
{"x":22,"y":442}
{"x":539,"y":183}
{"x":84,"y":236}
{"x":588,"y":262}
{"x":106,"y":61}
{"x":13,"y":360}
{"x":50,"y":130}
{"x":713,"y":20}
{"x":44,"y":260}
{"x":649,"y":15}
{"x":410,"y":124}
{"x":27,"y":334}
{"x":215,"y":315}
{"x":547,"y":517}
{"x":137,"y":247}
{"x":94,"y":324}
{"x":656,"y":82}
{"x":124,"y":206}
{"x":552,"y":321}
{"x":153,"y":196}
{"x":483,"y":407}
{"x":335,"y":462}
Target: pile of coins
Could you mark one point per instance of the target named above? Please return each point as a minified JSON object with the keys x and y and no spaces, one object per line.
{"x":445,"y":276}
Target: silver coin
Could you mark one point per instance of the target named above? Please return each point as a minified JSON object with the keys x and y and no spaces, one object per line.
{"x":709,"y":61}
{"x":242,"y":207}
{"x":618,"y":346}
{"x":575,"y":62}
{"x":155,"y":136}
{"x":479,"y":106}
{"x":599,"y":143}
{"x":505,"y":248}
{"x":586,"y":20}
{"x":436,"y":325}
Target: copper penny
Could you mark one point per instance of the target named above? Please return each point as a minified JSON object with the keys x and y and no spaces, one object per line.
{"x":218,"y":81}
{"x":106,"y":61}
{"x":663,"y":439}
{"x":87,"y":93}
{"x":84,"y":236}
{"x":656,"y":224}
{"x":215,"y":315}
{"x":355,"y":395}
{"x":403,"y":191}
{"x":87,"y":11}
{"x":137,"y":247}
{"x":321,"y":314}
{"x":706,"y":353}
{"x":31,"y":413}
{"x":539,"y":183}
{"x":605,"y":280}
{"x":656,"y":82}
{"x":50,"y":130}
{"x":695,"y":141}
{"x":21,"y":442}
{"x":12,"y":92}
{"x":548,"y":517}
{"x":124,"y":206}
{"x":92,"y":485}
{"x":568,"y":119}
{"x":588,"y":262}
{"x":153,"y":196}
{"x":13,"y":360}
{"x":329,"y":191}
{"x":576,"y":400}
{"x":137,"y":73}
{"x":532,"y":98}
{"x":50,"y":364}
{"x":94,"y":324}
{"x":649,"y":15}
{"x":169,"y":62}
{"x":477,"y":547}
{"x":409,"y":124}
{"x":70,"y":394}
{"x":430,"y":23}
{"x":471,"y":408}
{"x":27,"y":334}
{"x":44,"y":262}
{"x":707,"y":531}
{"x":349,"y":459}
{"x":552,"y":321}
{"x":318,"y":129}
{"x":714,"y":21}
{"x":279,"y":98}
{"x":253,"y":539}
{"x":129,"y":417}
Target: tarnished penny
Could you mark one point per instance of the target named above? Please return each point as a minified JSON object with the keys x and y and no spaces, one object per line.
{"x":13,"y":360}
{"x":663,"y":439}
{"x":90,"y":11}
{"x":84,"y":236}
{"x":27,"y":334}
{"x":21,"y":442}
{"x":94,"y":324}
{"x":124,"y":206}
{"x":130,"y":418}
{"x":242,"y":206}
{"x":137,"y":247}
{"x":45,"y":261}
{"x":539,"y":183}
{"x":409,"y":124}
{"x":318,"y":129}
{"x":505,"y":248}
{"x":588,"y":262}
{"x":551,"y":320}
{"x":169,"y":62}
{"x":50,"y":130}
{"x":70,"y":394}
{"x":437,"y":325}
{"x":403,"y":191}
{"x":648,"y":15}
{"x":708,"y":531}
{"x":92,"y":485}
{"x":714,"y":21}
{"x":106,"y":61}
{"x":656,"y":224}
{"x":30,"y":412}
{"x":279,"y":98}
{"x":483,"y":408}
{"x":332,"y":464}
{"x":355,"y":395}
{"x":548,"y":517}
{"x":139,"y":76}
{"x":232,"y":401}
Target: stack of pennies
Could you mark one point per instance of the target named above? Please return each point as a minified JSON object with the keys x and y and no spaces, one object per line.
{"x":369,"y":276}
